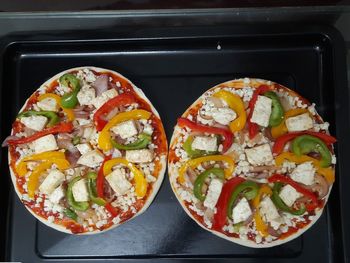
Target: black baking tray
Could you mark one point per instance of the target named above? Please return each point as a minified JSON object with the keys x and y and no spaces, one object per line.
{"x":173,"y":66}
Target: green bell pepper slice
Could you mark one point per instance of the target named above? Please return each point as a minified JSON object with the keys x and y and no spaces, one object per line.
{"x":79,"y":206}
{"x":51,"y":115}
{"x":277,"y":113}
{"x":141,"y":143}
{"x":70,"y":99}
{"x":248,"y":188}
{"x":305,"y":144}
{"x":70,"y":213}
{"x":76,"y":140}
{"x":198,"y":183}
{"x":194,"y":153}
{"x":276,"y":199}
{"x":92,"y":176}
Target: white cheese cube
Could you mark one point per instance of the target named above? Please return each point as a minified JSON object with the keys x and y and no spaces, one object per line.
{"x":205,"y":143}
{"x":82,"y":122}
{"x":125,"y":129}
{"x":80,"y":191}
{"x":88,"y":132}
{"x":262,"y":111}
{"x":36,"y":123}
{"x":86,"y":95}
{"x":213,"y":193}
{"x":45,"y":144}
{"x":241,"y":211}
{"x":83,"y":148}
{"x":223,"y":115}
{"x":49,"y":104}
{"x":117,"y":180}
{"x":259,"y":155}
{"x":270,"y":213}
{"x":304,"y":173}
{"x":289,"y":195}
{"x":50,"y":183}
{"x":104,"y":97}
{"x":301,"y":122}
{"x":56,"y":196}
{"x":139,"y":156}
{"x":91,"y":159}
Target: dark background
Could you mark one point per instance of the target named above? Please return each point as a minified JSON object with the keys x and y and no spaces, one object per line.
{"x":88,"y":5}
{"x":41,"y":16}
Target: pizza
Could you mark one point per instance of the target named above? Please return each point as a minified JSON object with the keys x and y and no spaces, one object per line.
{"x":252,"y":162}
{"x":87,"y":151}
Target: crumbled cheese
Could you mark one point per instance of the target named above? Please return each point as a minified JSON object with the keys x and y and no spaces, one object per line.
{"x":116,"y":220}
{"x":312,"y":109}
{"x":147,"y":127}
{"x":86,"y":75}
{"x":334,"y":159}
{"x":197,"y":210}
{"x":125,"y":201}
{"x":51,"y":219}
{"x":321,"y":126}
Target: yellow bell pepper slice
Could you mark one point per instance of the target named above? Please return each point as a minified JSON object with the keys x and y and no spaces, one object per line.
{"x":235,"y":103}
{"x":21,"y":167}
{"x":327,"y":173}
{"x":259,"y":222}
{"x":68,"y":112}
{"x":33,"y":180}
{"x":104,"y":139}
{"x":195,"y":162}
{"x":282,"y":128}
{"x":140,"y":181}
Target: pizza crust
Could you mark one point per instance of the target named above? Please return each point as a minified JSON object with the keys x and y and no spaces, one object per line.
{"x":173,"y":171}
{"x":155,"y":186}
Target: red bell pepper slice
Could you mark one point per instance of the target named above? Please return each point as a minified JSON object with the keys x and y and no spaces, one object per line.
{"x":113,"y":210}
{"x":100,"y":185}
{"x":62,"y":127}
{"x":281,"y":141}
{"x":226,"y":133}
{"x":122,"y":99}
{"x":287,"y":180}
{"x":253,"y":128}
{"x":221,"y":207}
